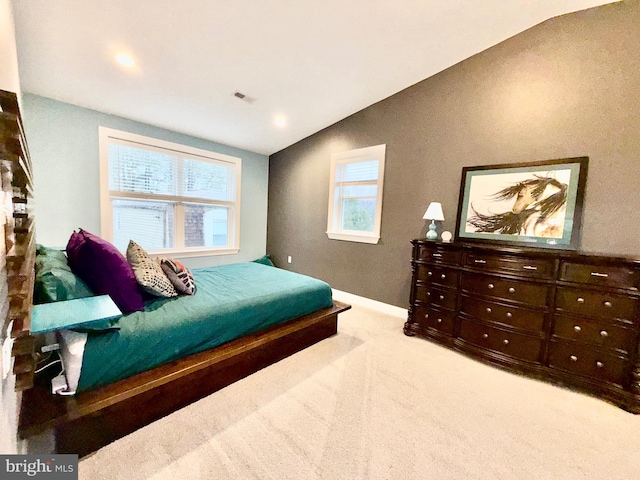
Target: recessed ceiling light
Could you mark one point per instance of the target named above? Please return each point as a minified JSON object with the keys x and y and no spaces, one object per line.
{"x":125,"y":60}
{"x":280,"y":121}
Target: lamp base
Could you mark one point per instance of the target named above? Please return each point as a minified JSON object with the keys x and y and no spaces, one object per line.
{"x":432,"y":234}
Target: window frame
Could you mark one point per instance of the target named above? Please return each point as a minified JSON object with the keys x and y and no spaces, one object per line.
{"x":108,"y":136}
{"x":334,"y":223}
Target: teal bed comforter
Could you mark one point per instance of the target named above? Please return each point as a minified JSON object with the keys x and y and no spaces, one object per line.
{"x":230,"y":301}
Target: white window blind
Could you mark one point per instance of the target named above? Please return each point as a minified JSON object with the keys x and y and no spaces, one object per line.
{"x":356,"y":190}
{"x":355,"y":202}
{"x":168,"y":197}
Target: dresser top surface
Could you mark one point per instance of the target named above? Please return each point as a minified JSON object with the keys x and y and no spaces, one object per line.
{"x":569,"y":255}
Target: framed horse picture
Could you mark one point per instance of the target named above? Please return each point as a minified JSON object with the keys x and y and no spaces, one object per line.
{"x":537,"y":204}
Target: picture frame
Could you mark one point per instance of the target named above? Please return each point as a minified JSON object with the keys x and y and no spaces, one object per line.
{"x":534,"y":204}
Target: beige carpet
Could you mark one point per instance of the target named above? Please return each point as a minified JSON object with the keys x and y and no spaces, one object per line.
{"x":372,"y":403}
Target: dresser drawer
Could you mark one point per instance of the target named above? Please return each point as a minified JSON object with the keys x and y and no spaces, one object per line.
{"x":596,"y":304}
{"x":435,"y":319}
{"x":520,"y":318}
{"x":512,"y":264}
{"x":512,"y":290}
{"x":603,"y":275}
{"x":427,"y":293}
{"x":438,"y":254}
{"x":438,"y":275}
{"x":593,"y":332}
{"x":512,"y":344}
{"x":588,"y":362}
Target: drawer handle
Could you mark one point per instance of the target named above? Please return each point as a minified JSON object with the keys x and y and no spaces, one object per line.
{"x":577,"y":328}
{"x":439,"y":320}
{"x":512,"y":290}
{"x":428,"y":294}
{"x":436,"y":254}
{"x":489,"y":310}
{"x":509,"y":314}
{"x":580,"y":300}
{"x":573,"y":358}
{"x":429,"y":273}
{"x":441,"y":297}
{"x":604,"y":334}
{"x":485,"y":335}
{"x":443,"y":276}
{"x":529,"y":267}
{"x":599,"y":364}
{"x":426,"y":315}
{"x":480,"y":261}
{"x":601,"y":275}
{"x":607,"y":304}
{"x":491,"y":286}
{"x":505,"y":341}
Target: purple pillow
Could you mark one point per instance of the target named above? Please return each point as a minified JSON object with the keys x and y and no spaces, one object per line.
{"x":104,"y":269}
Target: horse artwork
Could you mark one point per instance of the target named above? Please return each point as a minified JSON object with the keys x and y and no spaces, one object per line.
{"x":538,"y":209}
{"x":529,"y":203}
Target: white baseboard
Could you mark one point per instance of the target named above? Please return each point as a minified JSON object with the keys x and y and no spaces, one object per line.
{"x":368,"y":303}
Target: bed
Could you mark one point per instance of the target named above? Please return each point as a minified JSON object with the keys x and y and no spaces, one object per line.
{"x":242,"y":318}
{"x":97,"y":415}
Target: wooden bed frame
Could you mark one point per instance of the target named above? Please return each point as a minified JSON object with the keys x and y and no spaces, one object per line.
{"x":88,"y":421}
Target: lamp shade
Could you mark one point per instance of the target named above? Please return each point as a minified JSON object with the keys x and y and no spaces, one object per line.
{"x":434,"y":212}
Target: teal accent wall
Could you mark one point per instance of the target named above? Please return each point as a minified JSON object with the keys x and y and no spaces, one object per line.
{"x":63,"y":142}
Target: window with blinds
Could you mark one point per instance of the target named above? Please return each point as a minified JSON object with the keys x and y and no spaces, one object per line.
{"x":168,"y":197}
{"x":355,"y":199}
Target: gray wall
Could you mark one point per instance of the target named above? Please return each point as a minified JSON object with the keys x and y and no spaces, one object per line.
{"x":63,"y":142}
{"x":565,"y":88}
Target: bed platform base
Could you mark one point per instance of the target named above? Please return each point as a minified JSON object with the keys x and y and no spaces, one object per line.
{"x":86,"y":422}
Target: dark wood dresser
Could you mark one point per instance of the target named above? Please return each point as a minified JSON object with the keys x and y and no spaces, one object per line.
{"x":561,"y":316}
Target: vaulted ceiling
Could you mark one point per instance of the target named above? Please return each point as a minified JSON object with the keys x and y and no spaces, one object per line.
{"x":303,"y":65}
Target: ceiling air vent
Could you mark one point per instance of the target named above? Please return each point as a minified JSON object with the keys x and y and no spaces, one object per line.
{"x":244,"y":97}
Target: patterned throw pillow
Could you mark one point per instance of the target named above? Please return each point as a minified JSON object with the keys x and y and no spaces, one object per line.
{"x":148,"y":273}
{"x":180,"y":276}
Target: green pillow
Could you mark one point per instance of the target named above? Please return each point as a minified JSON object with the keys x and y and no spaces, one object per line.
{"x":54,"y":279}
{"x":266,"y":260}
{"x":55,"y":282}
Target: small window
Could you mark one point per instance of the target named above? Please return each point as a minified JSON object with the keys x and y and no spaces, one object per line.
{"x":168,"y":198}
{"x":355,"y":195}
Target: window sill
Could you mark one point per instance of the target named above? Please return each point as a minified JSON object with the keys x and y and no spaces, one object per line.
{"x":190,"y":253}
{"x":354,"y":237}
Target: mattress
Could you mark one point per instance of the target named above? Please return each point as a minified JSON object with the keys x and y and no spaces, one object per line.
{"x":231,"y":301}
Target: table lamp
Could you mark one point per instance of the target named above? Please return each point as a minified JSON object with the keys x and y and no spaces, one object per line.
{"x":433,"y":213}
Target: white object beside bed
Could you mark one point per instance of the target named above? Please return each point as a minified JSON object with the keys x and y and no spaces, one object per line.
{"x":71,"y":352}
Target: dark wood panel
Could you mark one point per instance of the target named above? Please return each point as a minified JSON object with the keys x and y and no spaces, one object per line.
{"x":596,"y":304}
{"x":520,"y":318}
{"x":506,"y":289}
{"x":438,"y":253}
{"x":507,"y":343}
{"x":601,"y":334}
{"x":534,"y":267}
{"x":433,"y":318}
{"x":616,"y":276}
{"x":445,"y":277}
{"x":585,"y":361}
{"x":440,"y":297}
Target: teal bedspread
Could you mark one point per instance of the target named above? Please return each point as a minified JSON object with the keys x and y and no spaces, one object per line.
{"x":230,"y":301}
